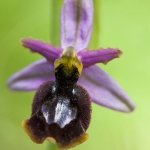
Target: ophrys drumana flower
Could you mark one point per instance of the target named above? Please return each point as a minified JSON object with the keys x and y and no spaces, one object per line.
{"x":93,"y":83}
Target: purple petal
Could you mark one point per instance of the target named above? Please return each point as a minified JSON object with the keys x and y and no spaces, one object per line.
{"x":89,"y":58}
{"x":104,"y":90}
{"x":76,"y":23}
{"x":32,"y":76}
{"x":46,"y":49}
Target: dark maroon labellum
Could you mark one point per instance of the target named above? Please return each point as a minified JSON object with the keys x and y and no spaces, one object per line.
{"x":61,"y":109}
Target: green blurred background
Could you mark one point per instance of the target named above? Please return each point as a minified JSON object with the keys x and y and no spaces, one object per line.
{"x":118,"y":24}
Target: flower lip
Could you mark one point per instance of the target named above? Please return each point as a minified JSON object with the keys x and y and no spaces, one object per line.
{"x":60,"y":111}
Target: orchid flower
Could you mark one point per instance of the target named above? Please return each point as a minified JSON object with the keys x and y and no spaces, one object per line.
{"x":60,"y":70}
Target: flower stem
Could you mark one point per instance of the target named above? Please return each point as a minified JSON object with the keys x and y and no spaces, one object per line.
{"x":52,"y":146}
{"x":55,"y":8}
{"x":96,"y":27}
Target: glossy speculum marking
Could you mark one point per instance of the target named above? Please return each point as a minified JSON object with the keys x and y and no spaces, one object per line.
{"x":61,"y":109}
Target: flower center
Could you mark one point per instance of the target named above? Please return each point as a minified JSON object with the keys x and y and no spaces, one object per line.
{"x":69,"y":60}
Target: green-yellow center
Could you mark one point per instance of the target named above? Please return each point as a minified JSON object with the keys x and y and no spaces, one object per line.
{"x":69,"y":59}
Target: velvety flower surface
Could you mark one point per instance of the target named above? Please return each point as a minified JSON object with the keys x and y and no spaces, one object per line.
{"x":61,"y":109}
{"x":91,"y":82}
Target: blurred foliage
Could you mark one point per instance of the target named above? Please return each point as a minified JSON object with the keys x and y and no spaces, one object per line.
{"x":121,"y":24}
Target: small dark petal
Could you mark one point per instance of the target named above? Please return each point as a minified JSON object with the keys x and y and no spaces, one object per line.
{"x":45,"y":122}
{"x":91,"y":57}
{"x":47,"y":50}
